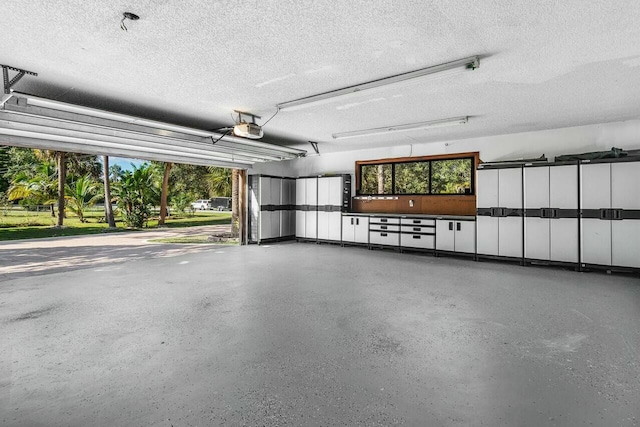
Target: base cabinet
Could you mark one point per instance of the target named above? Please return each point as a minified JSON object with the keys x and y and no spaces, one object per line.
{"x":355,"y":229}
{"x":456,"y":236}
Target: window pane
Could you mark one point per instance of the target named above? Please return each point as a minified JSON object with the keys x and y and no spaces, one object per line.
{"x":375,"y":179}
{"x":412,"y":178}
{"x":451,"y":176}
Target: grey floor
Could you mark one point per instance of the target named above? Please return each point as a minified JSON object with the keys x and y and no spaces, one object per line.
{"x":317,"y":335}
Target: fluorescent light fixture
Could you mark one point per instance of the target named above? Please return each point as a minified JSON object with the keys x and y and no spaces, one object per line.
{"x":436,"y":71}
{"x":402,"y":128}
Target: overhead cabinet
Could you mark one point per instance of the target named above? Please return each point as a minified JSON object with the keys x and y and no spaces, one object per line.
{"x":551,"y":223}
{"x":499,"y":211}
{"x":610,"y":213}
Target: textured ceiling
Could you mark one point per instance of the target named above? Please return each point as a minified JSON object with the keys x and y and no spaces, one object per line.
{"x":544,"y":64}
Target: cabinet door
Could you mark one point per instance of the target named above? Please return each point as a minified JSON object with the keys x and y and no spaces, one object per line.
{"x":465,"y":236}
{"x":265,"y":230}
{"x":323,"y":225}
{"x":487,"y":188}
{"x":323,"y":191}
{"x":563,"y":187}
{"x":335,"y":191}
{"x":486,"y":235}
{"x":301,"y":191}
{"x":301,"y":222}
{"x":311,"y":185}
{"x":564,"y":239}
{"x":510,"y":237}
{"x":311,"y":224}
{"x":596,"y":241}
{"x":361,"y":231}
{"x":265,"y":191}
{"x":276,"y":192}
{"x":536,"y":238}
{"x":625,"y":236}
{"x":536,"y":187}
{"x":595,"y":186}
{"x":445,"y":235}
{"x":348,"y":229}
{"x":510,"y":188}
{"x":334,"y":220}
{"x":625,"y":185}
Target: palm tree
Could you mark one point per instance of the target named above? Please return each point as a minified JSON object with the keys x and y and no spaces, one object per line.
{"x":108,"y":210}
{"x":219,"y":181}
{"x":82,"y":195}
{"x":41,"y":187}
{"x":135,"y":193}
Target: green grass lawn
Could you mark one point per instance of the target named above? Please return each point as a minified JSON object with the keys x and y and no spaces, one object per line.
{"x":18,"y":223}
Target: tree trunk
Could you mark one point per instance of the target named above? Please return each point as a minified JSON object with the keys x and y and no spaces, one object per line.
{"x":235,"y":199}
{"x":165,"y":191}
{"x":108,"y":209}
{"x":380,"y":179}
{"x":53,"y":211}
{"x":62,"y":178}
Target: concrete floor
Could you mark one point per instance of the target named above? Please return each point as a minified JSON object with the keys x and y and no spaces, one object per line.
{"x":316,"y":335}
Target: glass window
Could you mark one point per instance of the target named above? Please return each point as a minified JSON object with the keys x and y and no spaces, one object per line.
{"x":451,"y":176}
{"x":412,"y":178}
{"x":376,"y":179}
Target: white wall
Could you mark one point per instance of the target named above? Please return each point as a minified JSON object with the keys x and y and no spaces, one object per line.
{"x":554,"y":142}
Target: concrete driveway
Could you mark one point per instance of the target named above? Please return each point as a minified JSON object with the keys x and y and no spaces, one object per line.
{"x":40,"y":256}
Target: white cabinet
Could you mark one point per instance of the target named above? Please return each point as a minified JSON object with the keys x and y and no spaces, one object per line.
{"x":271,"y":201}
{"x":306,"y":208}
{"x":355,"y":229}
{"x":499,"y":202}
{"x":417,"y":233}
{"x":329,"y":208}
{"x":551,"y":213}
{"x":456,"y":236}
{"x":610,"y":208}
{"x":384,"y":231}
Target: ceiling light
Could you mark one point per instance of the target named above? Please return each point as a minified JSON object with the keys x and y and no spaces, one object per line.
{"x":436,"y":71}
{"x":402,"y":128}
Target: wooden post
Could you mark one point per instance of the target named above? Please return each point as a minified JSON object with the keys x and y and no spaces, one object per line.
{"x":242,"y":206}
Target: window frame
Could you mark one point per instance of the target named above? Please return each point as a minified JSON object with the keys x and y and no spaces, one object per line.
{"x":472,"y":157}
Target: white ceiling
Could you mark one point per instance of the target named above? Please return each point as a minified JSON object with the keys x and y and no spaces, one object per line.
{"x":544,"y":64}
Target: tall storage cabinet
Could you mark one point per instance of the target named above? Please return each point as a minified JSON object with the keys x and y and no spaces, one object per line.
{"x":610,"y":209}
{"x":307,"y":208}
{"x":551,"y":224}
{"x":499,"y":214}
{"x":271,"y":203}
{"x":330,"y":208}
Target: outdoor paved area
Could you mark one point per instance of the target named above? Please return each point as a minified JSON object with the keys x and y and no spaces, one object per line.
{"x":315,"y":335}
{"x":44,"y":256}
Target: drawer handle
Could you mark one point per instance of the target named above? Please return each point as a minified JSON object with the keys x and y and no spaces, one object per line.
{"x":384,"y":227}
{"x":416,"y":228}
{"x":383,"y":234}
{"x":383,"y":220}
{"x":416,"y":221}
{"x":417,"y":237}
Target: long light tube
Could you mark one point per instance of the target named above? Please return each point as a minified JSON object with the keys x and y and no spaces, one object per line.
{"x":402,"y":128}
{"x":436,"y":71}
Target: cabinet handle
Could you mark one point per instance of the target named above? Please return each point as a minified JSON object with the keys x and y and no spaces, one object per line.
{"x":457,"y":226}
{"x":384,"y":227}
{"x":383,"y":220}
{"x":450,"y":225}
{"x":383,"y":234}
{"x":416,"y":228}
{"x":617,"y":213}
{"x":416,"y":221}
{"x":604,"y":214}
{"x":417,"y":237}
{"x":351,"y":221}
{"x":357,"y":221}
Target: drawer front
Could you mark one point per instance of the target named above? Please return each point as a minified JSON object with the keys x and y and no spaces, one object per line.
{"x":384,"y":227}
{"x":417,"y":241}
{"x":417,"y":222}
{"x":384,"y":238}
{"x":418,"y":228}
{"x":384,"y":220}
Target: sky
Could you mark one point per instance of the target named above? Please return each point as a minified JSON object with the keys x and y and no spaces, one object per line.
{"x":125,"y":163}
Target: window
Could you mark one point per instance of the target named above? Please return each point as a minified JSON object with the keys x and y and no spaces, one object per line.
{"x":418,"y":177}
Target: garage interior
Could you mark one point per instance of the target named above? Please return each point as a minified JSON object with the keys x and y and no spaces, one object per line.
{"x":302,"y":329}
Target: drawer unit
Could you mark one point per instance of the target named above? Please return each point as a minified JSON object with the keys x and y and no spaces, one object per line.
{"x":417,"y":222}
{"x":384,"y":220}
{"x":418,"y":241}
{"x":385,"y":238}
{"x":384,"y":227}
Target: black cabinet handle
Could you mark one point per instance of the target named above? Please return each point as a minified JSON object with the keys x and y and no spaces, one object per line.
{"x":417,"y":237}
{"x":383,"y":220}
{"x":383,"y":234}
{"x":617,"y":213}
{"x":457,"y":226}
{"x":543,"y":212}
{"x":416,"y":228}
{"x":351,"y":221}
{"x":383,"y":227}
{"x":604,"y":213}
{"x":357,"y":221}
{"x":450,"y":225}
{"x":416,"y":221}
